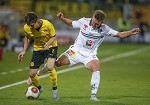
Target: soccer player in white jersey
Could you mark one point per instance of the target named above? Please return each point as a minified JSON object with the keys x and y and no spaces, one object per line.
{"x":92,"y":33}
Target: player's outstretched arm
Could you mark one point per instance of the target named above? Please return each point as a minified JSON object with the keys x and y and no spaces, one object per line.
{"x":26,"y":44}
{"x":125,"y":34}
{"x":65,"y":20}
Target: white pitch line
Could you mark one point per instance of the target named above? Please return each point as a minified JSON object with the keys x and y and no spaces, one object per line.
{"x":4,"y":73}
{"x":14,"y":71}
{"x":126,"y":54}
{"x":123,"y":55}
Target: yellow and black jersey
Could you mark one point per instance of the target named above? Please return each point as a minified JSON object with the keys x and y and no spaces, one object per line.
{"x":41,"y":36}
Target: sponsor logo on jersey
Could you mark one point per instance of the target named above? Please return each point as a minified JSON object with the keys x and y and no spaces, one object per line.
{"x":71,"y":53}
{"x":85,"y":26}
{"x":89,"y":42}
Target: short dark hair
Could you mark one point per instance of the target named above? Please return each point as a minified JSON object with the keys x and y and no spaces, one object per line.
{"x":99,"y":15}
{"x":30,"y":17}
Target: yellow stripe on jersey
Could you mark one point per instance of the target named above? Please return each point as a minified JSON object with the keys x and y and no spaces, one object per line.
{"x":43,"y":35}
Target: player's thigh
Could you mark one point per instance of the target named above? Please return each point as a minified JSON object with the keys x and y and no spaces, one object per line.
{"x":50,"y":63}
{"x":37,"y":59}
{"x":93,"y":65}
{"x":62,"y":60}
{"x":51,"y":57}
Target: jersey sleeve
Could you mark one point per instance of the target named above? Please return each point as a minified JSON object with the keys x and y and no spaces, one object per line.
{"x":77,"y":23}
{"x":110,"y":31}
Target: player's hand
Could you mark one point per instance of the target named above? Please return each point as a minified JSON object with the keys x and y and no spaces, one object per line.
{"x":20,"y":56}
{"x":135,"y":31}
{"x":60,"y":15}
{"x":46,"y":46}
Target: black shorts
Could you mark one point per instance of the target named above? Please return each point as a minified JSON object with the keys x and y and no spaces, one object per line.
{"x":39,"y":57}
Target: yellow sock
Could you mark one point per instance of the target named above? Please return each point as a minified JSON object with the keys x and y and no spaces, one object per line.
{"x":53,"y":77}
{"x":36,"y":81}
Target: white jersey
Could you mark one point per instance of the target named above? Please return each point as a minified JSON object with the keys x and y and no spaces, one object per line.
{"x":89,"y":39}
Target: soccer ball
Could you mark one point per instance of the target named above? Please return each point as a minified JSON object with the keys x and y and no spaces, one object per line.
{"x":32,"y":92}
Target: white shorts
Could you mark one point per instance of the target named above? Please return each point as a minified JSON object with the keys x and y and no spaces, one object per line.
{"x":75,"y":56}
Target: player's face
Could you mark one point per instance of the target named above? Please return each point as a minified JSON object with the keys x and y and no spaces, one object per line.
{"x":34,"y":25}
{"x":96,"y":23}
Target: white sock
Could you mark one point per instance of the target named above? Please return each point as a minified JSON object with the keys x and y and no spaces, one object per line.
{"x":95,"y":81}
{"x":41,"y":70}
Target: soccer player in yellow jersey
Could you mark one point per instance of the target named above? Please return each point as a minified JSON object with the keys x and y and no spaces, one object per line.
{"x":45,"y":47}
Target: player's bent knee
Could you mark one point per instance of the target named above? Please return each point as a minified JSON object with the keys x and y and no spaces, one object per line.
{"x":57,"y":63}
{"x":50,"y":68}
{"x":32,"y":75}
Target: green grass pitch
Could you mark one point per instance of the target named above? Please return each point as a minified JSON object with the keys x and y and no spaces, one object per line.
{"x":125,"y":79}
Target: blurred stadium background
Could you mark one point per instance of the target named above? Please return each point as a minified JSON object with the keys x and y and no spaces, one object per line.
{"x":12,"y":14}
{"x":125,"y":80}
